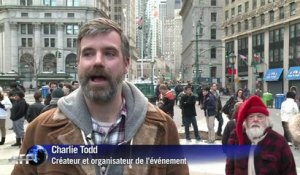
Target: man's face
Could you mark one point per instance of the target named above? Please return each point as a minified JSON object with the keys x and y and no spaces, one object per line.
{"x":214,"y":87}
{"x":189,"y":91}
{"x":101,"y":66}
{"x":256,"y":125}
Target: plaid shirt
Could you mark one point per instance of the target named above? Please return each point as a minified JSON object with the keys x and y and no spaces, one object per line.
{"x":116,"y":132}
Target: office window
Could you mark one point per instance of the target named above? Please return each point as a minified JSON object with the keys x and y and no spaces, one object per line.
{"x":49,"y":42}
{"x":292,"y":31}
{"x":26,"y":29}
{"x":298,"y":30}
{"x":49,"y":29}
{"x":72,"y":3}
{"x":262,"y":2}
{"x":271,"y":15}
{"x":239,"y":26}
{"x":226,"y":14}
{"x":71,"y":42}
{"x":213,"y":17}
{"x":232,"y":12}
{"x":71,"y":15}
{"x":213,"y":72}
{"x":24,"y":14}
{"x":281,"y":12}
{"x":213,"y":33}
{"x":72,"y":29}
{"x":292,"y":9}
{"x":49,"y":2}
{"x":213,"y":2}
{"x":48,"y":15}
{"x":262,"y":19}
{"x":239,"y":9}
{"x":246,"y":6}
{"x":226,"y":31}
{"x":253,"y":22}
{"x":246,"y":24}
{"x":25,"y":2}
{"x":213,"y":52}
{"x":232,"y":29}
{"x":254,"y":4}
{"x":26,"y":42}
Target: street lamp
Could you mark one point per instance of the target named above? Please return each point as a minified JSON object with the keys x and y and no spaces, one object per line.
{"x":198,"y":35}
{"x":200,"y":71}
{"x":232,"y":58}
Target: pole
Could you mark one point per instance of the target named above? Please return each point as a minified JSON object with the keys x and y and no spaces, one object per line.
{"x":232,"y":78}
{"x":197,"y":54}
{"x":142,"y":54}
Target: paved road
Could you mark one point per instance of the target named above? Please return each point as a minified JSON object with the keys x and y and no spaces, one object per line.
{"x":210,"y":168}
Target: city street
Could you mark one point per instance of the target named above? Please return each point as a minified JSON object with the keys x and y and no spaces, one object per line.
{"x":209,"y":168}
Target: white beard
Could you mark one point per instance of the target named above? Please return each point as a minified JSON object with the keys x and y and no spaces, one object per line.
{"x":255,"y":133}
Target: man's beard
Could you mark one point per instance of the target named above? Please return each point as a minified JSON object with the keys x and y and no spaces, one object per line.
{"x":100,"y":94}
{"x":255,"y":132}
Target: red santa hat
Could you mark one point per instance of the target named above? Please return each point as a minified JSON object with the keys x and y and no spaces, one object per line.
{"x":252,"y":105}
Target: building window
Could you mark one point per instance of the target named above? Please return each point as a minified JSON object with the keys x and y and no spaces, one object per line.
{"x":232,"y":29}
{"x":118,"y":2}
{"x":213,"y":2}
{"x":254,"y":4}
{"x":239,"y":26}
{"x":262,"y":2}
{"x":246,"y":6}
{"x":213,"y":17}
{"x":72,"y":3}
{"x":72,"y":29}
{"x":213,"y":52}
{"x":49,"y":2}
{"x":281,"y":12}
{"x":262,"y":19}
{"x":213,"y":33}
{"x":47,"y":15}
{"x":71,"y":42}
{"x":253,"y":22}
{"x":226,"y":14}
{"x":246,"y":24}
{"x":27,"y":29}
{"x":226,"y":31}
{"x":24,"y":14}
{"x":298,"y":30}
{"x":213,"y":72}
{"x":232,"y":12}
{"x":71,"y":15}
{"x":25,"y":2}
{"x":26,"y":42}
{"x":49,"y":29}
{"x":49,"y":42}
{"x":292,"y":8}
{"x":271,"y":14}
{"x":239,"y":9}
{"x":292,"y":31}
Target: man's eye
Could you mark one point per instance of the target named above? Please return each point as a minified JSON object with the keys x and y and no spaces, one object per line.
{"x":87,"y":54}
{"x":110,"y":54}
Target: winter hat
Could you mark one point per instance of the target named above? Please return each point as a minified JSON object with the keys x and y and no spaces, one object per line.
{"x":57,"y":93}
{"x":252,"y":105}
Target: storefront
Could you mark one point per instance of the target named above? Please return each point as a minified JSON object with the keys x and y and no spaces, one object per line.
{"x":274,"y":80}
{"x":293,"y":76}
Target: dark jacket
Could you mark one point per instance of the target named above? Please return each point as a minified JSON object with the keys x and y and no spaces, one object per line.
{"x":34,"y":110}
{"x":272,"y":156}
{"x":187,"y":104}
{"x":230,"y":126}
{"x":168,"y":103}
{"x":209,"y":105}
{"x":19,"y":110}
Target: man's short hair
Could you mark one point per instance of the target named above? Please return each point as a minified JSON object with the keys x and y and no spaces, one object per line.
{"x":163,"y":87}
{"x":290,"y":94}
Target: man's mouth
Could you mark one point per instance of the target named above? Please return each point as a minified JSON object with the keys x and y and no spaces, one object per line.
{"x":97,"y":78}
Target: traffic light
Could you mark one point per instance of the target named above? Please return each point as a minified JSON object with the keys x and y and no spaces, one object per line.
{"x":229,"y":79}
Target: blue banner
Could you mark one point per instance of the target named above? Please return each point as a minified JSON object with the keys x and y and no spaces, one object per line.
{"x":273,"y":74}
{"x":293,"y":73}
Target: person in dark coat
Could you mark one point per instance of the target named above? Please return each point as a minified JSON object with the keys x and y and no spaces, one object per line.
{"x":261,"y":150}
{"x":55,"y":96}
{"x":35,"y":109}
{"x":18,"y":113}
{"x":187,"y":104}
{"x":52,"y":87}
{"x":167,"y":101}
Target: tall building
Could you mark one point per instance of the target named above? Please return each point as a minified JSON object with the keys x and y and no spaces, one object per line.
{"x":38,"y":38}
{"x":201,"y":41}
{"x":264,"y":37}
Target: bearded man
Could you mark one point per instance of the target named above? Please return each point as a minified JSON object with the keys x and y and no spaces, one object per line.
{"x":256,"y":148}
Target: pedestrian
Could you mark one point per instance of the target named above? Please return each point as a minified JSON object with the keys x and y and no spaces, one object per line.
{"x":52,"y":87}
{"x":35,"y":109}
{"x":178,"y":88}
{"x":67,"y":88}
{"x":18,"y":113}
{"x":214,"y":90}
{"x":294,"y":127}
{"x":229,"y":105}
{"x":5,"y":106}
{"x":261,"y":150}
{"x":209,"y":108}
{"x":288,"y":109}
{"x":105,"y":109}
{"x":230,"y":126}
{"x":75,"y":85}
{"x":181,"y":94}
{"x":167,"y":100}
{"x":187,"y":104}
{"x":55,"y":96}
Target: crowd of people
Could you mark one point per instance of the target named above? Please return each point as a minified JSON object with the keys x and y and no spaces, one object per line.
{"x":105,"y":109}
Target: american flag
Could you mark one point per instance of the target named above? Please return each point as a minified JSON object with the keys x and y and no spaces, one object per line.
{"x":256,"y":57}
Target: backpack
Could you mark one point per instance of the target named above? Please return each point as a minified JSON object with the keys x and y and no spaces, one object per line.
{"x":228,"y":107}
